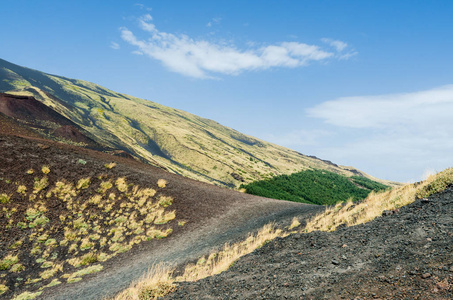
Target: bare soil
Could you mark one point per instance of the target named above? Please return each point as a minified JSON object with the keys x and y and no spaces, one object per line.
{"x":406,"y":254}
{"x":214,"y":215}
{"x":34,"y":118}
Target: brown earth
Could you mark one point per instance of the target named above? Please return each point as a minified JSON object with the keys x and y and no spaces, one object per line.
{"x":214,"y":215}
{"x":405,"y":254}
{"x":40,"y":120}
{"x":71,"y":133}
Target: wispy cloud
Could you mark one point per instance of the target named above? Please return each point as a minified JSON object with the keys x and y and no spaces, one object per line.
{"x":213,"y":22}
{"x":410,"y":131}
{"x":114,"y":45}
{"x":339,"y":45}
{"x":143,"y":7}
{"x":203,"y":59}
{"x":424,"y":110}
{"x":343,"y":49}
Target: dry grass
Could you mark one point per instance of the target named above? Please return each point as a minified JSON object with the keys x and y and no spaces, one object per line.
{"x":7,"y":262}
{"x":295,"y":223}
{"x":4,"y":198}
{"x":157,"y":282}
{"x":161,"y":183}
{"x":3,"y":289}
{"x":350,"y":213}
{"x":27,"y":296}
{"x":218,"y":262}
{"x":45,"y":169}
{"x":160,"y":280}
{"x":100,"y":217}
{"x":110,"y":165}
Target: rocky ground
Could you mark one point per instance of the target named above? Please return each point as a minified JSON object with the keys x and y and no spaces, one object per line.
{"x":213,"y":215}
{"x":405,"y":254}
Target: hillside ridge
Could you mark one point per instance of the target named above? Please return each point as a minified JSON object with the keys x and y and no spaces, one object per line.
{"x":181,"y":142}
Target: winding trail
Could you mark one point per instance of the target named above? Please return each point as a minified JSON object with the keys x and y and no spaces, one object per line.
{"x":214,"y":215}
{"x":179,"y":249}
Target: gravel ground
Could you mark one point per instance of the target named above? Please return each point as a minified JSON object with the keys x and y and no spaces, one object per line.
{"x":406,"y":254}
{"x":214,"y":215}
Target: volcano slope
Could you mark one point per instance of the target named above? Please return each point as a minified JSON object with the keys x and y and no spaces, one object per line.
{"x":179,"y":141}
{"x":66,"y":237}
{"x":404,"y":254}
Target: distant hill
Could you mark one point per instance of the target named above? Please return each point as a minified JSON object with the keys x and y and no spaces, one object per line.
{"x":314,"y":187}
{"x":180,"y":142}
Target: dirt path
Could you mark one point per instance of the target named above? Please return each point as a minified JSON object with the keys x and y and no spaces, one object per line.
{"x":214,"y":215}
{"x":407,"y":254}
{"x":234,"y":225}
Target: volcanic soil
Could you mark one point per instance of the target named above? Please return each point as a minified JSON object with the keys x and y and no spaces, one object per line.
{"x":212,"y":215}
{"x":26,"y":115}
{"x":405,"y":254}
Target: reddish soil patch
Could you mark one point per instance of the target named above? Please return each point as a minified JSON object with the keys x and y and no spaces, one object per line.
{"x":39,"y":120}
{"x":12,"y":127}
{"x":29,"y":109}
{"x":70,"y":132}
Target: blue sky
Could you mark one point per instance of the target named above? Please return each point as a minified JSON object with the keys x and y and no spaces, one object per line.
{"x":361,"y":83}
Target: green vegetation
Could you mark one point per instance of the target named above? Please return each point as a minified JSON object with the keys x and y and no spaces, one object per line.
{"x":98,"y":218}
{"x":351,"y":213}
{"x":369,"y":184}
{"x":7,"y":262}
{"x":314,"y":186}
{"x":160,"y":280}
{"x":4,"y":198}
{"x":179,"y":141}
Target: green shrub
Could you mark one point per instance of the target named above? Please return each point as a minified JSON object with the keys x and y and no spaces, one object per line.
{"x":314,"y":186}
{"x":4,"y":198}
{"x":7,"y":262}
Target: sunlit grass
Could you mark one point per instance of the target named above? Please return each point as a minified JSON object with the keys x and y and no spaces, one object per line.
{"x":160,"y":280}
{"x":98,"y":218}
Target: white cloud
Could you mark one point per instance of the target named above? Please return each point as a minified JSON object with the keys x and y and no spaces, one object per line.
{"x":202,"y":59}
{"x":394,"y":134}
{"x":213,"y":22}
{"x":114,"y":45}
{"x":425,"y":109}
{"x":143,"y":7}
{"x":339,"y":45}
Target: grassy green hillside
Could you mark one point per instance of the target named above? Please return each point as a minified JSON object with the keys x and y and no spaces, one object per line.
{"x":314,"y":186}
{"x":179,"y":141}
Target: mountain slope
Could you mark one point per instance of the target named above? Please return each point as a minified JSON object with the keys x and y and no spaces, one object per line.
{"x":71,"y":214}
{"x":181,"y":142}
